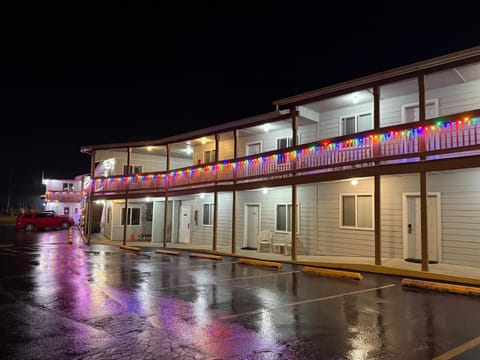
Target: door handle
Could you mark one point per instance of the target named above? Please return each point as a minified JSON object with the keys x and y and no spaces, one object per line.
{"x":409,"y":228}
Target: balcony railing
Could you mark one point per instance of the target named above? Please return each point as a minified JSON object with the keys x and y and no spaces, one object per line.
{"x":63,"y":196}
{"x":433,"y":139}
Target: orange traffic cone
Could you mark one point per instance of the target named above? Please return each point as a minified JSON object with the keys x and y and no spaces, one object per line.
{"x":132,"y":237}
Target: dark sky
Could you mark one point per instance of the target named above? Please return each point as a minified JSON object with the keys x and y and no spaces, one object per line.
{"x":159,"y":72}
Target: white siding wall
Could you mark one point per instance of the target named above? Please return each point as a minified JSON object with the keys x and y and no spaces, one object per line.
{"x":117,"y":228}
{"x":457,"y":98}
{"x":200,"y":234}
{"x":460,"y":214}
{"x":224,"y":220}
{"x":198,"y":151}
{"x":268,"y":139}
{"x":308,"y":133}
{"x":332,"y":240}
{"x":330,"y":120}
{"x":57,"y":184}
{"x":225,"y":145}
{"x":392,"y":189}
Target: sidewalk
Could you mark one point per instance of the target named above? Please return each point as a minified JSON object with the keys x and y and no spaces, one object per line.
{"x":437,"y":272}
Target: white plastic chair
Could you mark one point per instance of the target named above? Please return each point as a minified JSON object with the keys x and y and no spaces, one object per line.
{"x":265,"y":240}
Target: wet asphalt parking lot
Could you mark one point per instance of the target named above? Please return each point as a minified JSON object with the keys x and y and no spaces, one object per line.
{"x":73,"y":301}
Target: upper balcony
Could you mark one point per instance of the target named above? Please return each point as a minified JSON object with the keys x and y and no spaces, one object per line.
{"x":64,"y":196}
{"x":446,"y":137}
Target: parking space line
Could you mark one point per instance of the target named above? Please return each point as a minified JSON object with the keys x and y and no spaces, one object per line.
{"x":304,"y":302}
{"x":233,"y":279}
{"x":459,"y":349}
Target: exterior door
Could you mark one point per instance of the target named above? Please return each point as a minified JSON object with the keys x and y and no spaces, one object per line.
{"x":185,"y":219}
{"x":252,"y":222}
{"x":413,"y":245}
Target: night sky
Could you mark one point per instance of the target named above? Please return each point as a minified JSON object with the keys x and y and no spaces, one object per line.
{"x":161,"y":72}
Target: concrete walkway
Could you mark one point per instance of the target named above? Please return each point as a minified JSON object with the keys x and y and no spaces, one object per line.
{"x":399,"y":267}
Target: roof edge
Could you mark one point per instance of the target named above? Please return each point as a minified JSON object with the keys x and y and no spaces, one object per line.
{"x":424,"y":65}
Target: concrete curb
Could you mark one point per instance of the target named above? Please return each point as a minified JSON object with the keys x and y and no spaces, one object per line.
{"x":333,"y":273}
{"x":132,"y":248}
{"x":451,"y":288}
{"x":260,"y":263}
{"x":167,"y":252}
{"x":206,"y":256}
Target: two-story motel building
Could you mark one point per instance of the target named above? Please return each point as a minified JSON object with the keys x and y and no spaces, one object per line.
{"x":382,"y":167}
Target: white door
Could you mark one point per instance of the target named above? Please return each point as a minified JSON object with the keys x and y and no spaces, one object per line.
{"x":185,"y":218}
{"x":413,"y":228}
{"x":252,"y":222}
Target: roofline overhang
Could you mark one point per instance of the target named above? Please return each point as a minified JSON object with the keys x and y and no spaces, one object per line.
{"x":238,"y":124}
{"x":422,"y":67}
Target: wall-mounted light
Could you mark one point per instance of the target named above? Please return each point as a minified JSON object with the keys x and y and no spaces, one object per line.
{"x":202,"y":195}
{"x":356,"y":98}
{"x":354,"y":181}
{"x":265,"y":190}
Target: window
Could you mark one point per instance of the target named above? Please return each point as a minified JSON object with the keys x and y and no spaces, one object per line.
{"x":356,"y":123}
{"x":132,"y":169}
{"x":133,"y":216}
{"x":67,"y":187}
{"x":411,"y":112}
{"x":283,"y":217}
{"x":284,"y":142}
{"x":208,"y":210}
{"x":356,"y":211}
{"x":209,"y":156}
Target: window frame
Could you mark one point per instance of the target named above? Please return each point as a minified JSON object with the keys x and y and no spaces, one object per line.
{"x":356,"y":227}
{"x":403,"y":114}
{"x":287,"y":230}
{"x":67,"y":186}
{"x":356,"y":116}
{"x":211,"y":213}
{"x":210,"y":152}
{"x":130,"y":216}
{"x":132,"y":169}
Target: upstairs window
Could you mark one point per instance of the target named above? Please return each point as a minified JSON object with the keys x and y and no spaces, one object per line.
{"x":209,"y":156}
{"x":355,"y":123}
{"x":411,"y":112}
{"x":67,"y":187}
{"x":132,"y":169}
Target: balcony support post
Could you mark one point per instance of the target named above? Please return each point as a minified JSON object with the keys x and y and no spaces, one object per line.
{"x":234,"y":216}
{"x":215,"y":220}
{"x":294,"y":222}
{"x":165,"y":219}
{"x":377,"y":219}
